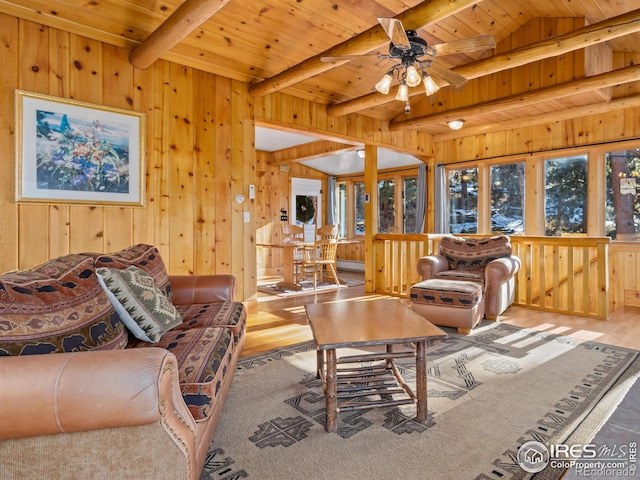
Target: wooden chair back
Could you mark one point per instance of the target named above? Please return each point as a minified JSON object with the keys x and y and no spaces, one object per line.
{"x":292,"y":233}
{"x":328,"y":232}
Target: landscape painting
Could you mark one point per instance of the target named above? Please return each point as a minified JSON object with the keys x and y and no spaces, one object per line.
{"x":73,"y":152}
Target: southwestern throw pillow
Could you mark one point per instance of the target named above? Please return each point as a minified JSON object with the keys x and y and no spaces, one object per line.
{"x":143,"y":308}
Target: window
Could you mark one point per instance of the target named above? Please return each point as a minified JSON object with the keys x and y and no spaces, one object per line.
{"x":463,"y":200}
{"x":358,"y":190}
{"x":565,"y":195}
{"x":623,"y":195}
{"x":507,"y":198}
{"x":386,"y":206}
{"x":410,"y":195}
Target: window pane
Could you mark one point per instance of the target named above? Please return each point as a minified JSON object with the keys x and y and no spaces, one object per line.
{"x":463,"y":200}
{"x":410,"y":196}
{"x":623,"y":195}
{"x":386,"y":206}
{"x":565,"y":195}
{"x":507,"y":198}
{"x":358,"y":190}
{"x":341,"y":208}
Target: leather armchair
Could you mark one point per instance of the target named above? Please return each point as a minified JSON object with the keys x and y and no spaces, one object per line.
{"x":488,"y":261}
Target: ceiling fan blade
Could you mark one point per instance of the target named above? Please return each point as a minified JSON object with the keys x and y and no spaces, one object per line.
{"x":395,"y":31}
{"x":450,"y":76}
{"x":481,"y":42}
{"x":338,"y":58}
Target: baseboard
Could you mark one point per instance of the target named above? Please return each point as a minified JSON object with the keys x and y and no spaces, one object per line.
{"x":350,"y":265}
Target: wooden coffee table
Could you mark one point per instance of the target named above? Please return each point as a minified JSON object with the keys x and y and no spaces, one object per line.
{"x":364,"y":323}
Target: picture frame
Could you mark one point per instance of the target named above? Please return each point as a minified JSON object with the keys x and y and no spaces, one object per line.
{"x":78,"y":153}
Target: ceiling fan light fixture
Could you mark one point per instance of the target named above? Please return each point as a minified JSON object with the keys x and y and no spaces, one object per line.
{"x":412,"y":77}
{"x":403,"y":93}
{"x":384,"y":84}
{"x":455,"y":124}
{"x":430,"y":86}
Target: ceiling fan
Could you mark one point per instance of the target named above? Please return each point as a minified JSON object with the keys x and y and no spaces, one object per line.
{"x":416,"y":59}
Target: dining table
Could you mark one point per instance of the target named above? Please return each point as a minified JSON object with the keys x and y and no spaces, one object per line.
{"x":289,"y":281}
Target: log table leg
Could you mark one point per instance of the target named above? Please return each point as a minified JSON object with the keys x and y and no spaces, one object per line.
{"x":421,"y":381}
{"x":331,"y":392}
{"x":319,"y":363}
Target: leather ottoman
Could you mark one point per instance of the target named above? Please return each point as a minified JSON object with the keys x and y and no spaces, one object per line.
{"x":449,"y":303}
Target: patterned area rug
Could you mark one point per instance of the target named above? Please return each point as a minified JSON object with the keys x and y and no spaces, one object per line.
{"x":488,"y":393}
{"x":307,"y":288}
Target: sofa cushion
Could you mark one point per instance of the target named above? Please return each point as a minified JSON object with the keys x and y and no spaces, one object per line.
{"x":143,"y":308}
{"x":471,"y":274}
{"x":145,"y":257}
{"x":220,"y":314}
{"x":452,"y":293}
{"x":475,"y":253}
{"x":204,"y":356}
{"x":57,"y":267}
{"x":66,"y":312}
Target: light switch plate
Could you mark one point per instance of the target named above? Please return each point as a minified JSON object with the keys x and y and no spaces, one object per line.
{"x":246,"y":217}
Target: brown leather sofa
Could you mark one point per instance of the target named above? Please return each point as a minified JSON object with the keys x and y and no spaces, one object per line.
{"x":111,"y":406}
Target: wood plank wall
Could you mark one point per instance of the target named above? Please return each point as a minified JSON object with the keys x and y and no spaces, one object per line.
{"x":199,"y":155}
{"x":272,"y":194}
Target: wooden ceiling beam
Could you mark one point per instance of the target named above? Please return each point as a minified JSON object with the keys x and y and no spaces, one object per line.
{"x":525,"y":99}
{"x":583,"y":37}
{"x":425,"y":13}
{"x":186,"y":18}
{"x":549,"y":117}
{"x":307,"y":151}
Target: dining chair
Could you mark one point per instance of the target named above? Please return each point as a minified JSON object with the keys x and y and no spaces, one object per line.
{"x":328,"y":232}
{"x":318,"y":256}
{"x":294,"y":234}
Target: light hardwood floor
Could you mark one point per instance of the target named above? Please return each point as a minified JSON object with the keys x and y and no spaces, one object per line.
{"x":281,"y":321}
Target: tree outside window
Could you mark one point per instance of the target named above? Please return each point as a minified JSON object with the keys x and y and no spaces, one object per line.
{"x":463,"y":200}
{"x":623,"y":195}
{"x":386,"y":206}
{"x":410,"y":201}
{"x":507,"y":198}
{"x":565,"y":195}
{"x":358,"y":190}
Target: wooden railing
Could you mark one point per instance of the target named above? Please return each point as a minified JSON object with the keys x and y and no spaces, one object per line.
{"x":395,"y":259}
{"x":559,"y":274}
{"x":563,"y":274}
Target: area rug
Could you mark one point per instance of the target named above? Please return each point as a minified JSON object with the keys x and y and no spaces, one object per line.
{"x":307,"y":288}
{"x":488,"y":393}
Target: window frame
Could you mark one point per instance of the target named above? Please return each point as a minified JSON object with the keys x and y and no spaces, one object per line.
{"x":534,"y":215}
{"x":398,"y":176}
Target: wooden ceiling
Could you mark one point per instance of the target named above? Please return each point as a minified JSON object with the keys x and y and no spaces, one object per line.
{"x":276,"y":45}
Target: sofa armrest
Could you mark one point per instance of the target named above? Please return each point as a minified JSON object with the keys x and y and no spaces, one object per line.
{"x":193,"y":289}
{"x":82,"y":391}
{"x":431,"y":265}
{"x":501,"y":269}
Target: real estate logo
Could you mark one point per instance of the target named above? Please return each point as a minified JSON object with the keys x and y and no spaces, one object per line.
{"x":587,"y":460}
{"x":533,"y":457}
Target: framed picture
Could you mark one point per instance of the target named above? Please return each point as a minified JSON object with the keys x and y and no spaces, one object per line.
{"x":75,"y":152}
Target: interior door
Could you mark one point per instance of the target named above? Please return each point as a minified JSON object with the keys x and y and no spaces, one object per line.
{"x":306,"y":201}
